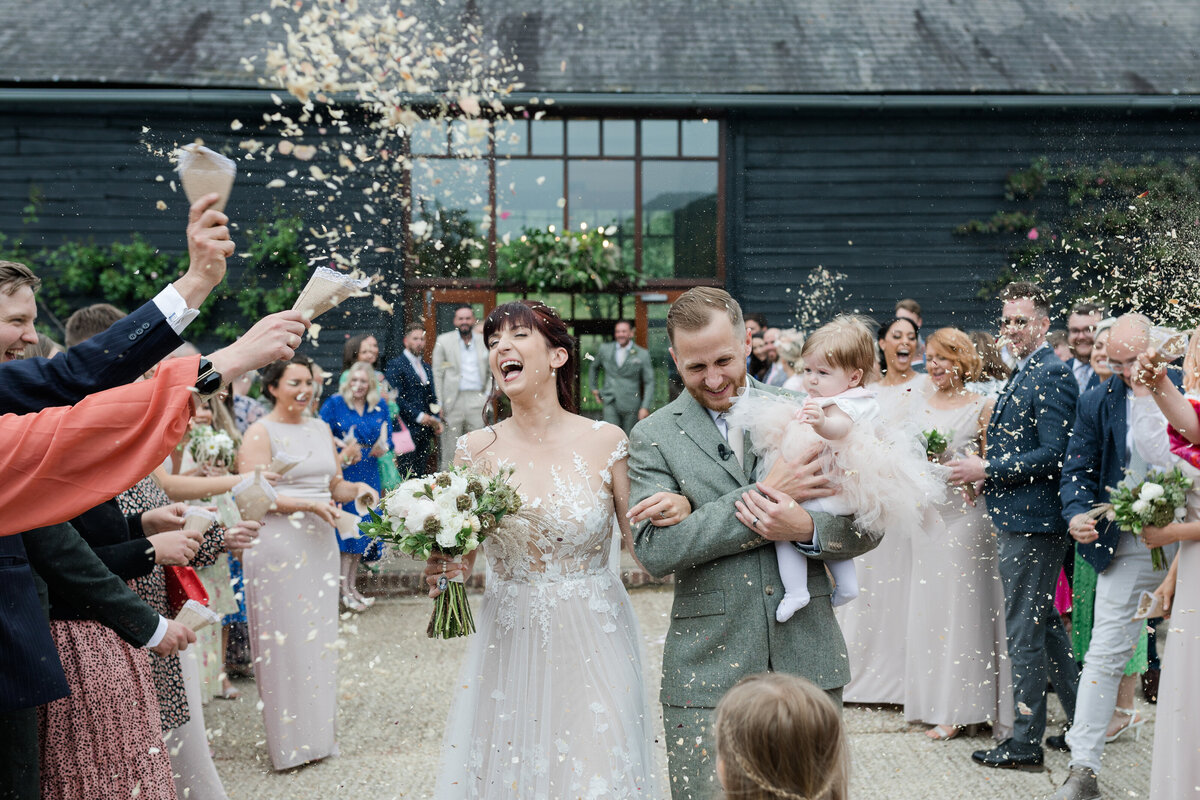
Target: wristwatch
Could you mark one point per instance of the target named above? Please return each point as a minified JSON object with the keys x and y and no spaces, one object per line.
{"x":209,"y":382}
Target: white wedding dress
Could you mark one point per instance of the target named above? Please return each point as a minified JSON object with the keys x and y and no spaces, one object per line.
{"x":551,"y":701}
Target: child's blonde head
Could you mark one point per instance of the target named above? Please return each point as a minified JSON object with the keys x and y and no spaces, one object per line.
{"x":846,"y":342}
{"x":779,"y":736}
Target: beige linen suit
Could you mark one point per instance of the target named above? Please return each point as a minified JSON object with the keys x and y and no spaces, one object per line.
{"x":727,"y":585}
{"x":462,"y":411}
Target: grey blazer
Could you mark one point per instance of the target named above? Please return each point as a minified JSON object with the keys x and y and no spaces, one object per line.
{"x":727,"y":583}
{"x":446,"y":369}
{"x":627,"y":387}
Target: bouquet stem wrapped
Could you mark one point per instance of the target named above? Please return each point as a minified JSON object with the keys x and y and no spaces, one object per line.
{"x":449,"y":513}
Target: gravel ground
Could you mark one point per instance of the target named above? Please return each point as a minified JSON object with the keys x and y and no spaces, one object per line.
{"x":395,"y":694}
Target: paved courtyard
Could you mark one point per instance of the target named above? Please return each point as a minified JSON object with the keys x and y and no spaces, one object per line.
{"x":395,"y":693}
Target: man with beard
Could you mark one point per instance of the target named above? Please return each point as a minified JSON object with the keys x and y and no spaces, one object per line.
{"x":412,"y":378}
{"x":460,"y":378}
{"x":1081,"y":333}
{"x":727,"y":584}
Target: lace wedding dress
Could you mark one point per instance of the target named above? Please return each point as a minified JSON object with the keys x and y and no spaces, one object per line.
{"x":551,"y":700}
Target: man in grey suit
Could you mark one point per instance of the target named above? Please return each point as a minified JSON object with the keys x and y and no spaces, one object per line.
{"x":1026,"y":440}
{"x":460,"y":378}
{"x":628,"y":379}
{"x":727,"y":583}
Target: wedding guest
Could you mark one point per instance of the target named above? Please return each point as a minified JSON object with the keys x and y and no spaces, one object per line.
{"x":1057,"y":339}
{"x":416,"y":400}
{"x":789,"y":347}
{"x":1026,"y":438}
{"x":756,"y":324}
{"x":1081,"y":332}
{"x":993,"y":372}
{"x":88,"y":321}
{"x":460,"y":376}
{"x":956,"y":671}
{"x":247,"y":410}
{"x":874,"y":624}
{"x":756,"y":363}
{"x":775,"y":375}
{"x":358,"y":416}
{"x":1100,"y":453}
{"x":45,"y":348}
{"x":1175,"y":770}
{"x":910,"y":309}
{"x":779,"y":736}
{"x":291,"y":588}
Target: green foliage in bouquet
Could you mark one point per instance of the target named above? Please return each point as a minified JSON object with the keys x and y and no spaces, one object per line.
{"x":543,"y":260}
{"x":936,"y":442}
{"x":1156,"y":502}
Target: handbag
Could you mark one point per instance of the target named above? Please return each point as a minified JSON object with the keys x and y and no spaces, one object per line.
{"x":183,"y":584}
{"x":402,"y":440}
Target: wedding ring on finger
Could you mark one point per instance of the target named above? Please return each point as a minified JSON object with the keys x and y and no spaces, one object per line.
{"x":755,"y":523}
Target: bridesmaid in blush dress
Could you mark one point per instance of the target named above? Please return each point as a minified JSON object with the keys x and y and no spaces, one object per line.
{"x":956,"y":668}
{"x":291,"y":573}
{"x":874,"y":624}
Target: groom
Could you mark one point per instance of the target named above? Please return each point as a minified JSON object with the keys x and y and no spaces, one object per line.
{"x":727,"y":582}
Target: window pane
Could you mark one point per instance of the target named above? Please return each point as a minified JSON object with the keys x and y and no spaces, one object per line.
{"x":470,"y":137}
{"x":679,"y":219}
{"x":527,"y":195}
{"x":618,"y":137}
{"x":601,"y":195}
{"x":660,"y":137}
{"x":547,"y":137}
{"x":429,"y":137}
{"x":583,"y":137}
{"x":449,"y":227}
{"x":512,"y":138}
{"x":700,"y":137}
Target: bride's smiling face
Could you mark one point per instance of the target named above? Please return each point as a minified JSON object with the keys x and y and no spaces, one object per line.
{"x":522,"y":359}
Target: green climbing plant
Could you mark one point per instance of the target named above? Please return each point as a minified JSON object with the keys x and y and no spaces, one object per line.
{"x":545,"y":260}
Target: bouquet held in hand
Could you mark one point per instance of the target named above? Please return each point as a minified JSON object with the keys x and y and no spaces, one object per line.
{"x":1156,"y":502}
{"x":450,"y":513}
{"x":936,"y":443}
{"x":213,"y":448}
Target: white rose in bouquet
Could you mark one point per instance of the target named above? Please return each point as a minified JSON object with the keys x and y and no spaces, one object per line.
{"x":1140,"y":506}
{"x":452,"y":525}
{"x":1150,"y":491}
{"x":419,"y":512}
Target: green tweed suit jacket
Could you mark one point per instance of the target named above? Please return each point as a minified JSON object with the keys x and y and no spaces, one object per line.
{"x":627,"y":387}
{"x":727,"y":583}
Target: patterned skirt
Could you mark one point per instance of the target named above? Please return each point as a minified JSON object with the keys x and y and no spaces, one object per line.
{"x":104,"y":741}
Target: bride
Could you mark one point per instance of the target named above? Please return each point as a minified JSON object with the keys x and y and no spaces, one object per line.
{"x":551,"y":702}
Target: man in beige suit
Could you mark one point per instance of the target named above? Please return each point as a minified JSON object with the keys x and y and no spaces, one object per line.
{"x":461,"y":377}
{"x":727,"y":583}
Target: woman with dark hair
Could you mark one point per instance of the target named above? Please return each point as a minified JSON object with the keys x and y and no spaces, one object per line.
{"x":364,"y":349}
{"x":552,"y":700}
{"x":874,"y":625}
{"x":290,"y":574}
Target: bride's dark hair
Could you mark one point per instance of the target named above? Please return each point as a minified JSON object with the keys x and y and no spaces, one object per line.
{"x":545,"y":320}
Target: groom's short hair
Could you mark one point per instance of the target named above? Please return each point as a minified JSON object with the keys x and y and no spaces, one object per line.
{"x":695,"y":307}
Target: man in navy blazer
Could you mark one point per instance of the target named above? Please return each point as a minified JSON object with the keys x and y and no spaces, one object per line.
{"x":30,"y":672}
{"x":416,"y":397}
{"x":1026,"y":439}
{"x":1102,"y":447}
{"x":1081,"y":335}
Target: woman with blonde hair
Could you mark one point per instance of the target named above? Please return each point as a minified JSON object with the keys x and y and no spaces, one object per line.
{"x":779,"y":736}
{"x":956,"y":665}
{"x":358,"y":416}
{"x":790,"y":346}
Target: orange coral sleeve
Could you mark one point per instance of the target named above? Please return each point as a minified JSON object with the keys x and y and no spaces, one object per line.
{"x":59,"y":462}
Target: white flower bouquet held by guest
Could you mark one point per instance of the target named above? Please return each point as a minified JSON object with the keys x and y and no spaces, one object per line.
{"x":212,"y":448}
{"x":1157,"y":501}
{"x":449,"y":513}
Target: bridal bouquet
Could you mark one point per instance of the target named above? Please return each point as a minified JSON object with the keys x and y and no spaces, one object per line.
{"x":1157,"y":501}
{"x":211,"y":447}
{"x":451,"y":513}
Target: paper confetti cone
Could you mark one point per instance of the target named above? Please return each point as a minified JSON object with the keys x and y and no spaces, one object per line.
{"x":254,"y":497}
{"x":197,"y":519}
{"x":326,"y":289}
{"x":365,"y":502}
{"x":203,"y":171}
{"x":197,"y":616}
{"x":282,"y":462}
{"x":347,"y":525}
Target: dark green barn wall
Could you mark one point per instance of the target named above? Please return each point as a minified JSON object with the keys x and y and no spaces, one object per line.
{"x":876,"y":195}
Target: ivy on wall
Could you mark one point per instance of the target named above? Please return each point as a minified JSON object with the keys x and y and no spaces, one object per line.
{"x":1127,"y":236}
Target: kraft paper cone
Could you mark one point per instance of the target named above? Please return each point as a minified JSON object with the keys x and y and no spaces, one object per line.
{"x":347,"y":525}
{"x":196,"y":616}
{"x":326,"y":289}
{"x":203,"y":171}
{"x":1169,"y":343}
{"x":254,"y":497}
{"x":382,"y":441}
{"x":197,"y":519}
{"x":282,"y":462}
{"x":365,"y":502}
{"x":1149,"y":606}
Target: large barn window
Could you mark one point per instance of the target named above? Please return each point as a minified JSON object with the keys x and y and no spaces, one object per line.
{"x":655,"y":183}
